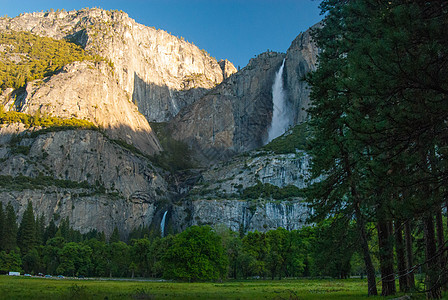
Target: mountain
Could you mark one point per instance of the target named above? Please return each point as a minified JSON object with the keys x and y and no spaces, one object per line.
{"x":234,"y":117}
{"x":76,"y":141}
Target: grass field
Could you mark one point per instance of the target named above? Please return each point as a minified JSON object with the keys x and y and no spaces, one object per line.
{"x":47,"y":288}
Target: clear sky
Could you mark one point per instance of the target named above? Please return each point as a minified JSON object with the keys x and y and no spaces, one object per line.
{"x":233,"y":29}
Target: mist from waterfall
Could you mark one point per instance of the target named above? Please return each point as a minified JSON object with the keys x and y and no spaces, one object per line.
{"x":280,"y":115}
{"x":162,"y":224}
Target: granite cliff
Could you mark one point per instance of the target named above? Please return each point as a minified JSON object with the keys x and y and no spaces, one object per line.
{"x":234,"y":117}
{"x":80,"y":174}
{"x":111,"y":177}
{"x":160,"y":72}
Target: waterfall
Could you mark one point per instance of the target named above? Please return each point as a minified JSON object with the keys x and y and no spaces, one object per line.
{"x":280,"y":116}
{"x":162,"y":224}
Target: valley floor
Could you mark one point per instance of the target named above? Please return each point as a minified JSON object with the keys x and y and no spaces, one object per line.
{"x":12,"y":287}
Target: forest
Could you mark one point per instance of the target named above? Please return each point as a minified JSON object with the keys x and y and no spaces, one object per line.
{"x":200,"y":253}
{"x":379,"y":133}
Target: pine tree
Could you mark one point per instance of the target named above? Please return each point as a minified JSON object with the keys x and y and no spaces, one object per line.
{"x":26,"y":237}
{"x":380,"y":105}
{"x":115,"y":236}
{"x":50,"y":231}
{"x":2,"y":224}
{"x":10,"y":229}
{"x":40,"y":230}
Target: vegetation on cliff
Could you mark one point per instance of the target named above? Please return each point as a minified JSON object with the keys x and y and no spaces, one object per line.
{"x":175,"y":155}
{"x":42,"y":120}
{"x":293,"y":140}
{"x":25,"y":57}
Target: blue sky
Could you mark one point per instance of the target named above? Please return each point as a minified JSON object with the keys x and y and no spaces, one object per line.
{"x":233,"y":29}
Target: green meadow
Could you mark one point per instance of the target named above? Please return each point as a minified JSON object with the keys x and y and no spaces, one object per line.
{"x":52,"y":288}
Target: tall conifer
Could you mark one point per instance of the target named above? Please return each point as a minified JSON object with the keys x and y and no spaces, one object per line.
{"x":10,"y":229}
{"x":26,"y":237}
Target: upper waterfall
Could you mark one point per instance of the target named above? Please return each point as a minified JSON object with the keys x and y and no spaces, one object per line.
{"x":280,"y":116}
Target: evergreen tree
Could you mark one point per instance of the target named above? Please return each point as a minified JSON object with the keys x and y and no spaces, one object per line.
{"x":26,"y":237}
{"x":50,"y":231}
{"x":380,"y":105}
{"x":115,"y":236}
{"x":40,"y":230}
{"x":10,"y":229}
{"x":2,"y":225}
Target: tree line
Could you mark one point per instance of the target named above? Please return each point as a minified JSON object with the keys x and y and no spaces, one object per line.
{"x":379,"y":132}
{"x":200,"y":253}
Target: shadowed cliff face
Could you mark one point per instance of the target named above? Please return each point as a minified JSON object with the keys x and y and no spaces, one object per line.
{"x":301,"y":58}
{"x":234,"y":116}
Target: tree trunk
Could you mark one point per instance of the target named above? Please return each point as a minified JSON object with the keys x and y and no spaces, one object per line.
{"x":432,"y":269}
{"x":370,"y":270}
{"x":401,"y":262}
{"x":386,"y":258}
{"x":409,"y":255}
{"x":440,"y":248}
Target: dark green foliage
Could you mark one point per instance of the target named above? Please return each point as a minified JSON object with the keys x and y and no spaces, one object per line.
{"x":295,"y":139}
{"x":19,"y":149}
{"x":115,"y":236}
{"x":175,"y":155}
{"x":10,"y":261}
{"x":2,"y":225}
{"x":197,"y":254}
{"x":26,"y":236}
{"x":74,"y":259}
{"x":378,"y":118}
{"x":21,"y":183}
{"x":10,"y":229}
{"x":119,"y":259}
{"x":335,"y":242}
{"x":270,"y":191}
{"x":141,"y":256}
{"x":28,"y":57}
{"x":256,"y":248}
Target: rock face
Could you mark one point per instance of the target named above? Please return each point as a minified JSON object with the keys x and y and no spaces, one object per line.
{"x":227,"y":68}
{"x":217,"y":199}
{"x":301,"y":58}
{"x":87,"y":90}
{"x":148,"y":74}
{"x":234,"y":116}
{"x":84,"y":212}
{"x":157,"y":70}
{"x":239,"y":215}
{"x":245,"y":171}
{"x":110,"y":184}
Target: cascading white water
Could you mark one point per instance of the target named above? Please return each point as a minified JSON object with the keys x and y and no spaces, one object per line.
{"x":280,"y":116}
{"x":162,"y":224}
